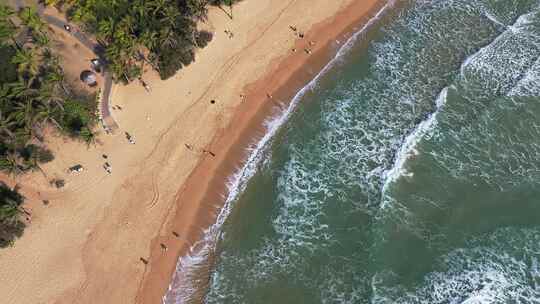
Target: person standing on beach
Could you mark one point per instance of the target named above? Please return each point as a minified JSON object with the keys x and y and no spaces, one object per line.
{"x":209,"y":152}
{"x":164,"y":247}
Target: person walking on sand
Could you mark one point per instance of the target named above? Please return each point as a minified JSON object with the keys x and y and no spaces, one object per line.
{"x":209,"y":152}
{"x":163,"y":247}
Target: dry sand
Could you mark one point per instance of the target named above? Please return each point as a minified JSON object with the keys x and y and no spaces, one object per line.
{"x":85,"y":246}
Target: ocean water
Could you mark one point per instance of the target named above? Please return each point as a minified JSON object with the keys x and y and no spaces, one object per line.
{"x":408,"y":172}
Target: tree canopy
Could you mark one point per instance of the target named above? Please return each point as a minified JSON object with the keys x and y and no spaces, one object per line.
{"x":33,"y":94}
{"x":11,"y":225}
{"x":162,"y":33}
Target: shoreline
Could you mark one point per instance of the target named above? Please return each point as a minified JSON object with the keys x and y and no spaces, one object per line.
{"x":198,"y":203}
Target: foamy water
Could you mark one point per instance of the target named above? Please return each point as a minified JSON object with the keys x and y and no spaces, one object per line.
{"x":183,"y":287}
{"x":409,"y":175}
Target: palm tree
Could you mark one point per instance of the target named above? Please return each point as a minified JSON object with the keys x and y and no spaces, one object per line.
{"x":7,"y":27}
{"x":30,"y":18}
{"x":53,"y":2}
{"x":24,"y":114}
{"x":11,"y":164}
{"x":5,"y":12}
{"x":169,"y":15}
{"x":105,"y":30}
{"x":55,"y":79}
{"x":45,"y":113}
{"x":27,"y":62}
{"x":197,"y":8}
{"x":6,"y":124}
{"x":6,"y":31}
{"x":149,"y":39}
{"x":157,"y":6}
{"x":227,"y":2}
{"x":21,"y":90}
{"x":88,"y":136}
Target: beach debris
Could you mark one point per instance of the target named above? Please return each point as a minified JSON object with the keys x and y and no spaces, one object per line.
{"x":67,"y":27}
{"x":129,"y":138}
{"x":312,"y":43}
{"x":104,"y":156}
{"x":176,"y":234}
{"x":301,"y":35}
{"x":293,"y":28}
{"x":293,"y":50}
{"x":76,"y":169}
{"x":307,"y":50}
{"x":145,"y":261}
{"x":163,"y":247}
{"x":269,"y":95}
{"x":212,"y":101}
{"x":45,"y":202}
{"x":189,"y":147}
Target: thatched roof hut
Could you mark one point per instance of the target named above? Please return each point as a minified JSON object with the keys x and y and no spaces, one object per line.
{"x":89,"y":78}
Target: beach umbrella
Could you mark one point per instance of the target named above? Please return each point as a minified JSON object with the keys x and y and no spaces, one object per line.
{"x":89,"y":78}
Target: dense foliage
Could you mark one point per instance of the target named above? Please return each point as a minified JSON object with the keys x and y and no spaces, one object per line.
{"x":11,"y":225}
{"x":162,"y":33}
{"x":33,"y":94}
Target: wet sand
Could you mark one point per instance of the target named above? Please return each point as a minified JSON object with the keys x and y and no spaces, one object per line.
{"x":206,"y":187}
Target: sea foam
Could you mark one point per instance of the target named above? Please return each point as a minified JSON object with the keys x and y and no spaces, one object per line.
{"x":182,"y":287}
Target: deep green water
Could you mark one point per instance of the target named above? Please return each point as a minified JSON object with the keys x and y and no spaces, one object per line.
{"x":409,"y":174}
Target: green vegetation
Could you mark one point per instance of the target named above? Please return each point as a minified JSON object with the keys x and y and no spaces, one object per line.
{"x":161,"y":33}
{"x":33,"y":95}
{"x":11,"y":211}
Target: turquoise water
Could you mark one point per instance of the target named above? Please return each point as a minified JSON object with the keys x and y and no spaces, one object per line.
{"x":410,"y":173}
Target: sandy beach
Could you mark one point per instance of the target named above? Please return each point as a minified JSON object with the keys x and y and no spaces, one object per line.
{"x":85,"y":246}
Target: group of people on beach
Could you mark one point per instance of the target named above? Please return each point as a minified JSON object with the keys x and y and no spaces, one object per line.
{"x":163,"y":246}
{"x":301,"y":35}
{"x":229,"y":33}
{"x":190,"y":147}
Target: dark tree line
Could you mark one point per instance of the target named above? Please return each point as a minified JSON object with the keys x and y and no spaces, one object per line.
{"x":161,"y":33}
{"x":33,"y":94}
